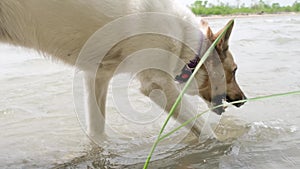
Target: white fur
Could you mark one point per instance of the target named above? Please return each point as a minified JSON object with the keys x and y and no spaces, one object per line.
{"x":60,"y":28}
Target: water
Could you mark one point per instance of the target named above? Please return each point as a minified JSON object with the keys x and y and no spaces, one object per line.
{"x":39,"y":129}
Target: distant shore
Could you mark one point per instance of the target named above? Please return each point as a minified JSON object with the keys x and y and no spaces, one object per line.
{"x":249,"y":15}
{"x":203,"y":8}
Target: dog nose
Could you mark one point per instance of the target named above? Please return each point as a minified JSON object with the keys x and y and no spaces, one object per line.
{"x":240,"y":104}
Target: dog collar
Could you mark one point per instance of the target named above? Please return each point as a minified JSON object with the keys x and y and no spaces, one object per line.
{"x":187,"y":70}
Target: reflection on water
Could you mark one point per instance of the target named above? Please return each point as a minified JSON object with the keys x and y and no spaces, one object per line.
{"x":38,"y":126}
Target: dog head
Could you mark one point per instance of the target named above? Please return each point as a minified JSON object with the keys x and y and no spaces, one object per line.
{"x":224,"y":87}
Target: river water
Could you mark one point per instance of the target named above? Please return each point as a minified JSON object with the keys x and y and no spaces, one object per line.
{"x":39,"y":126}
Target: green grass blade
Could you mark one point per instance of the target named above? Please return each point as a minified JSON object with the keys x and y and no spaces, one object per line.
{"x":179,"y":98}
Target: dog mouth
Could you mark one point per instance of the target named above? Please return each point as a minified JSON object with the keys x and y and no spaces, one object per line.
{"x":219,"y":110}
{"x":228,"y":100}
{"x":218,"y":102}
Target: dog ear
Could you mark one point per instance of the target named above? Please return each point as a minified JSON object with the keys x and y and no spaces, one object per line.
{"x":210,"y":34}
{"x":223,"y":44}
{"x":206,"y":29}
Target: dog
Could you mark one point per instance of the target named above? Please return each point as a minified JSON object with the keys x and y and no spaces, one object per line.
{"x":60,"y":29}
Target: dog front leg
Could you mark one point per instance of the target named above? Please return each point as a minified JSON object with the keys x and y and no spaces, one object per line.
{"x":156,"y":80}
{"x":96,"y":89}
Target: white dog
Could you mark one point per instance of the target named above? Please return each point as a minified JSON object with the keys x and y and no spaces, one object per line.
{"x":60,"y":29}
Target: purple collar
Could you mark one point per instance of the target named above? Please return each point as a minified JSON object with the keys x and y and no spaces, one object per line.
{"x":188,"y":70}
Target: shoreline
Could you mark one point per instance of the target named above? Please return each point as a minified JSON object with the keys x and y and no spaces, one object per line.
{"x":246,"y":15}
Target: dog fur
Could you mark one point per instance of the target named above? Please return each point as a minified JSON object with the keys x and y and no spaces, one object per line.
{"x":59,"y":29}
